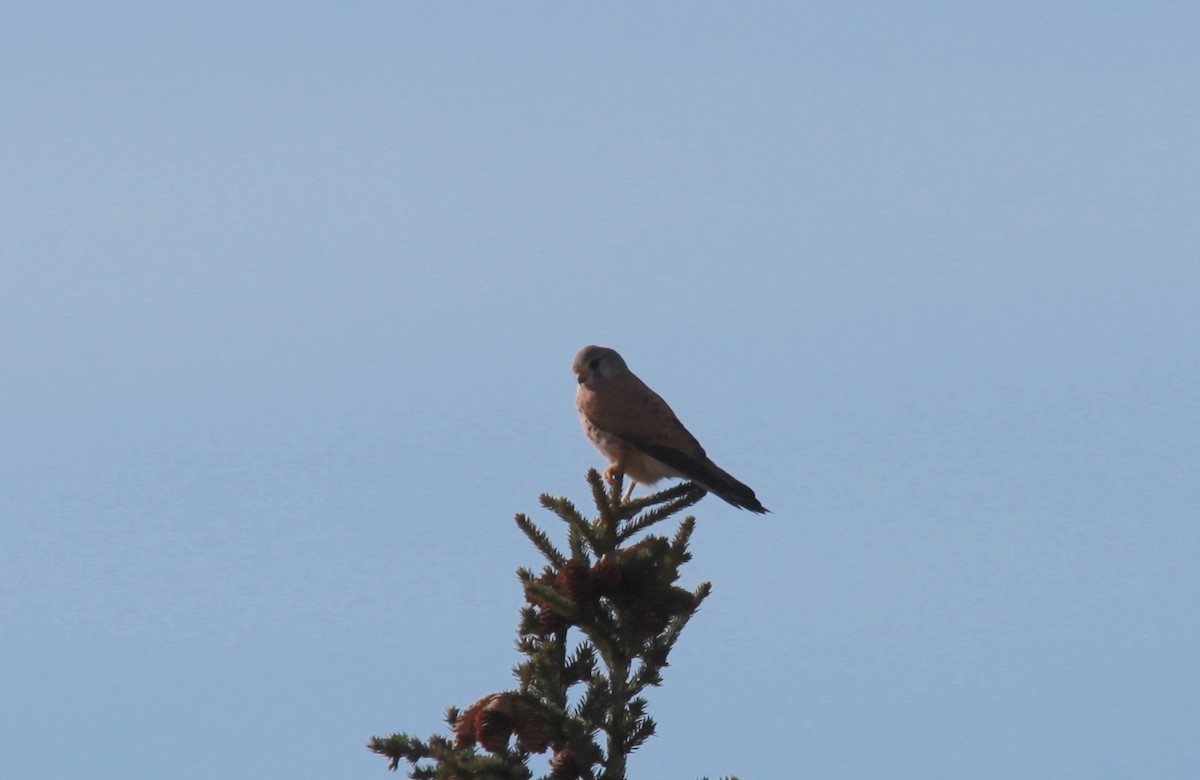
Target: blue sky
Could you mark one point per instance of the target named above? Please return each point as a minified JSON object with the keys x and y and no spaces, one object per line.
{"x":290,"y":295}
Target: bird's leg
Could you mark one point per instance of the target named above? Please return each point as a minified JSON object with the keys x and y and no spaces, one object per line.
{"x":610,"y":476}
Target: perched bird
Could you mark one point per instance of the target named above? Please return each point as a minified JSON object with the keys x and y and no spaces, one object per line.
{"x":635,"y":429}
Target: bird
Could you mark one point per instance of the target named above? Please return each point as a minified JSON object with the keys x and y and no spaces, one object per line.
{"x":635,"y":429}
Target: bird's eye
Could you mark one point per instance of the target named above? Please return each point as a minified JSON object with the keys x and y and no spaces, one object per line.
{"x":593,"y":363}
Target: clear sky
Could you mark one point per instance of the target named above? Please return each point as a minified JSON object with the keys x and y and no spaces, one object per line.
{"x":289,"y":297}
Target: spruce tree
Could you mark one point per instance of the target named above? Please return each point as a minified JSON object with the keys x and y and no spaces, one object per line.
{"x":599,"y":625}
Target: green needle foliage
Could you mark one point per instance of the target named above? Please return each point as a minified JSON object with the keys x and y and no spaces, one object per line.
{"x":599,"y":625}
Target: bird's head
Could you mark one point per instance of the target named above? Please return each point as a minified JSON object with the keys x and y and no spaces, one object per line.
{"x":593,"y":364}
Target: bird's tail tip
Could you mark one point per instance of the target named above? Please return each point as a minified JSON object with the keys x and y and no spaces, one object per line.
{"x":733,"y":492}
{"x":750,"y":504}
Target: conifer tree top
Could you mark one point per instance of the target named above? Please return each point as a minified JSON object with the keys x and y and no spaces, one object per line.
{"x":600,"y":620}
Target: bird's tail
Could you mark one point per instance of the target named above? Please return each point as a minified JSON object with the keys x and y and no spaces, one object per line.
{"x":712,"y":478}
{"x":708,"y":475}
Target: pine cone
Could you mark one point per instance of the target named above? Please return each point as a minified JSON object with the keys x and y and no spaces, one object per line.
{"x":466,"y":726}
{"x":495,"y":722}
{"x":564,"y":766}
{"x":529,"y":723}
{"x":642,"y":568}
{"x":652,"y":617}
{"x":575,"y":582}
{"x":549,"y":622}
{"x":607,"y":576}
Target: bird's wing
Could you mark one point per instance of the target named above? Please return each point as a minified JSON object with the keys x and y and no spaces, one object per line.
{"x":626,"y":408}
{"x":705,"y":473}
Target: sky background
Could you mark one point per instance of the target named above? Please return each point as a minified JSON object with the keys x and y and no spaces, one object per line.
{"x":290,"y":294}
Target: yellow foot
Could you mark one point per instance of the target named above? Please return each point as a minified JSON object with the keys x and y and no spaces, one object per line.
{"x":610,"y":474}
{"x":629,"y":492}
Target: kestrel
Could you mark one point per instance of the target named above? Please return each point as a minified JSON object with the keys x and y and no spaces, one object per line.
{"x":635,"y":429}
